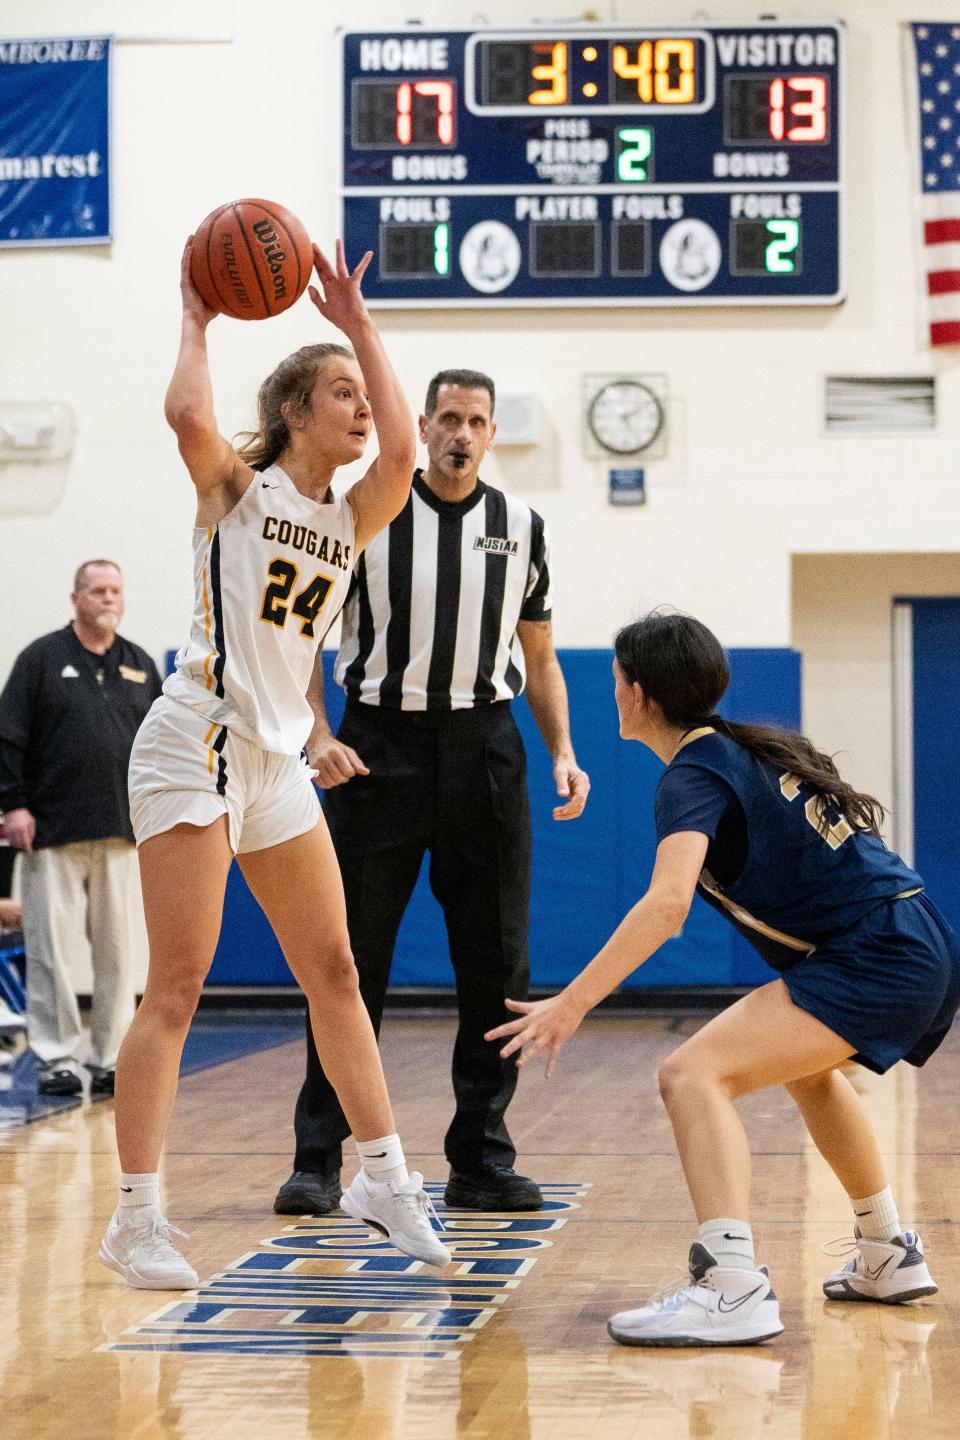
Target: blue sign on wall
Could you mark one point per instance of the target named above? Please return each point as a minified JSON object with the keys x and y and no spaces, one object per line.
{"x":55,"y":141}
{"x":595,"y":164}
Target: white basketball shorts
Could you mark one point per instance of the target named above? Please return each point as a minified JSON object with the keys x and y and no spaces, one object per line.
{"x":183,"y":770}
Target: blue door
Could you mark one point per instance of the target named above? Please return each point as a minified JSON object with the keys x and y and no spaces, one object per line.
{"x":936,"y":752}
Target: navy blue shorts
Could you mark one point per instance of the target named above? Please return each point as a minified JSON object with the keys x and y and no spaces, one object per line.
{"x":889,"y":986}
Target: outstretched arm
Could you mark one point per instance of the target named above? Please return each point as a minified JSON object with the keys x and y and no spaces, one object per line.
{"x":210,"y":459}
{"x":383,"y":491}
{"x":547,"y":697}
{"x":548,"y":1024}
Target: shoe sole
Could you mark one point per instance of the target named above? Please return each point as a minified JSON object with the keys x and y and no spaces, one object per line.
{"x":294,"y":1207}
{"x":703,"y":1341}
{"x":349,"y":1208}
{"x":900,"y":1297}
{"x":133,"y":1277}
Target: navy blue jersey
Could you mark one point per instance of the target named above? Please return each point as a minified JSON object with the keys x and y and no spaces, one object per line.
{"x":789,"y":875}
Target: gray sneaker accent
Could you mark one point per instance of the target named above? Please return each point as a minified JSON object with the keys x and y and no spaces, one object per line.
{"x":913,"y":1255}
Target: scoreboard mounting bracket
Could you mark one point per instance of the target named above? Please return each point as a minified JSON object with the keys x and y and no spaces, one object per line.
{"x":595,"y":165}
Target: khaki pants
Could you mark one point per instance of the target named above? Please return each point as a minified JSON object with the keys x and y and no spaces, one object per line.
{"x":92,"y":890}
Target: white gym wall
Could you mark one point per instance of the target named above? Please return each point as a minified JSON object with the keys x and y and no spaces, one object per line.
{"x":750,"y":479}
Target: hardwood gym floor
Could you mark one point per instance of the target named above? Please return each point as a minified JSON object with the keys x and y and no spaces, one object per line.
{"x":311,"y":1329}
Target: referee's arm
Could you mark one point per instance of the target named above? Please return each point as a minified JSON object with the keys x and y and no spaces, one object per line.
{"x":546,"y":692}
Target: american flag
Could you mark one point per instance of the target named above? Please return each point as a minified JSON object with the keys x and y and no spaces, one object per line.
{"x":936,"y":51}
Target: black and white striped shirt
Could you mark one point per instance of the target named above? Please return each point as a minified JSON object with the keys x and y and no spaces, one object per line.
{"x":430,"y":622}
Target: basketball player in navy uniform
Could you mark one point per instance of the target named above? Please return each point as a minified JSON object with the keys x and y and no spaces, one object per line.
{"x":760,"y":823}
{"x":447,"y":621}
{"x":217,"y":767}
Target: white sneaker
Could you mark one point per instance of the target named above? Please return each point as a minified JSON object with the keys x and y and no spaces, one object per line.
{"x":401,"y":1213}
{"x":143,"y":1253}
{"x":891,"y":1271}
{"x":718,"y":1305}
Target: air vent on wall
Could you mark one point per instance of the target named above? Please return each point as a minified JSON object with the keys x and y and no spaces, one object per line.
{"x":865,"y":403}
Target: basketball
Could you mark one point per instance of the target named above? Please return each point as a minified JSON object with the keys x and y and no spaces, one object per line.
{"x":251,"y":259}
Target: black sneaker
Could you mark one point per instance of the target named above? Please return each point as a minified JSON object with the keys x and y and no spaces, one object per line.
{"x":102,"y":1082}
{"x":57,"y":1080}
{"x":308,"y":1194}
{"x":495,"y":1187}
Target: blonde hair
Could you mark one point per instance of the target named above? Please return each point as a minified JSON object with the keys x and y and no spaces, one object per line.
{"x":290,"y":384}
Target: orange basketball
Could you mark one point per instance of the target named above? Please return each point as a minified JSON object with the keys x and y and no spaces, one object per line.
{"x":251,"y":259}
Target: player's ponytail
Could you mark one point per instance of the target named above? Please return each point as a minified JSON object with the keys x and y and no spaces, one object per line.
{"x":680,"y":664}
{"x":291,"y":384}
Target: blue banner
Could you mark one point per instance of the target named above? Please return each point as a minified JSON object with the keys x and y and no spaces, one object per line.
{"x":55,"y":141}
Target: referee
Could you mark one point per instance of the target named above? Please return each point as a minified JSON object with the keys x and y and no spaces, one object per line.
{"x":447,"y":619}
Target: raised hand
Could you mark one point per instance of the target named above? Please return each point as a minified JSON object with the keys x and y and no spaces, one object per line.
{"x":193,"y":306}
{"x":340,"y":301}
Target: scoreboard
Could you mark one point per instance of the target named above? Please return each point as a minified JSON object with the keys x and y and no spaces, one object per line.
{"x":592,"y":165}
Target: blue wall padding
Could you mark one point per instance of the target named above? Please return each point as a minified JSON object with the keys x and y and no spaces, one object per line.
{"x":936,"y":757}
{"x":587,"y":873}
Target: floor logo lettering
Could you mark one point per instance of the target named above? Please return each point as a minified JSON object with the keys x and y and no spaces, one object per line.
{"x":328,"y":1286}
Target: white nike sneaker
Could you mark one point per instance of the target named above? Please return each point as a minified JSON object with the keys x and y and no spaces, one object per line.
{"x":718,"y":1305}
{"x":401,"y":1213}
{"x":890,"y":1271}
{"x":143,"y":1253}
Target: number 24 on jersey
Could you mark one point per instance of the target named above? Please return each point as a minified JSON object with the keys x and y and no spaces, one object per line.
{"x":306,"y":604}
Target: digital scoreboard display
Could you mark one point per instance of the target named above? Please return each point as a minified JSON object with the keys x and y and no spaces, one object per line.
{"x":594,"y":165}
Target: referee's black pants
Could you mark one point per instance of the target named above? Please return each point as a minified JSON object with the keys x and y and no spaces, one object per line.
{"x":454,"y":784}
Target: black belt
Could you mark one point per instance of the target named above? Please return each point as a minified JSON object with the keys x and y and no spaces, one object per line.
{"x":479,"y":719}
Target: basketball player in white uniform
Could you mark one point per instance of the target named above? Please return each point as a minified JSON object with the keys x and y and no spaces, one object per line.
{"x":217,"y":767}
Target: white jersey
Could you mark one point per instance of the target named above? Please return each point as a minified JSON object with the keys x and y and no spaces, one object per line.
{"x":268,"y":582}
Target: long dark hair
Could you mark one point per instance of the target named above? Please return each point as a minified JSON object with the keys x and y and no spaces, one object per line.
{"x":680,"y":664}
{"x":292,"y":382}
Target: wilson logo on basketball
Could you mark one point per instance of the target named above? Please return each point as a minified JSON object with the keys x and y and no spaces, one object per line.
{"x":273,"y":254}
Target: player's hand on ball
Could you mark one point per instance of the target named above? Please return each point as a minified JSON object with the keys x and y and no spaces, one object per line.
{"x":193,"y":305}
{"x":341,"y":301}
{"x":543,"y":1025}
{"x":334,"y":762}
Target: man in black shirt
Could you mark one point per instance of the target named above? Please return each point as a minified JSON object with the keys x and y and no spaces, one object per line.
{"x":68,"y":715}
{"x":447,"y":620}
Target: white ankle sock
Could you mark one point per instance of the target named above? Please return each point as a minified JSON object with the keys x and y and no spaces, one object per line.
{"x":730,"y":1242}
{"x":877,"y":1217}
{"x":382,"y":1160}
{"x":139,"y":1193}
